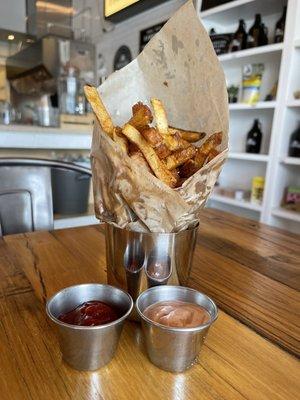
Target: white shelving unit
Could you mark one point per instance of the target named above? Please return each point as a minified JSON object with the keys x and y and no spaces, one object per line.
{"x":237,"y":203}
{"x":270,"y":48}
{"x":261,"y":105}
{"x":286,"y":214}
{"x":294,"y":103}
{"x":249,"y":157}
{"x":278,"y":118}
{"x":291,"y":161}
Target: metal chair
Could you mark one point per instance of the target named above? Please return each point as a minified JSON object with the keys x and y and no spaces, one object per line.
{"x":26,"y":193}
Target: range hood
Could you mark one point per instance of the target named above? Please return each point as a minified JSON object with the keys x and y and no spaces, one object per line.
{"x":50,"y":17}
{"x":35,"y":69}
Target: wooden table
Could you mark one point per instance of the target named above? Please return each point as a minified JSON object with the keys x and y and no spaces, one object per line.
{"x":252,"y":271}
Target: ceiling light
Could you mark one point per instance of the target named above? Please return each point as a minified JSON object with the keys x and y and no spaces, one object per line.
{"x":10,"y":37}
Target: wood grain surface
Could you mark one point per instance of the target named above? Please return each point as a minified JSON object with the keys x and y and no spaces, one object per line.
{"x":252,"y":271}
{"x":235,"y":363}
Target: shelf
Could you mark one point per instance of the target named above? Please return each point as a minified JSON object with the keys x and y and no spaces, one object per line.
{"x":261,"y":105}
{"x":236,"y":203}
{"x":270,"y":48}
{"x":294,"y":103}
{"x":249,"y":157}
{"x":229,"y":13}
{"x":297,"y":43}
{"x":291,"y":161}
{"x":35,"y":137}
{"x":286,"y":214}
{"x":227,"y":7}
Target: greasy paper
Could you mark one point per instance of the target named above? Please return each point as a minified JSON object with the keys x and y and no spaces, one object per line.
{"x":179,"y":66}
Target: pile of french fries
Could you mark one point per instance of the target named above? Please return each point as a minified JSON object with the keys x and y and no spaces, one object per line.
{"x":165,"y":151}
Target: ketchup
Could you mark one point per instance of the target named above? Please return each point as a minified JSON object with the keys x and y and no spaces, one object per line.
{"x":90,"y":313}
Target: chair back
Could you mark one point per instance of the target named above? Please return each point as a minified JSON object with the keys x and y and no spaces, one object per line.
{"x":25,"y":199}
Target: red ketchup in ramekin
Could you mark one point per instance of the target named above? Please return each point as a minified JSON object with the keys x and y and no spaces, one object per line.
{"x":90,"y":313}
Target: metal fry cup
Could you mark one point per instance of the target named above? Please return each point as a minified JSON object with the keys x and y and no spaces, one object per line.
{"x":169,"y":348}
{"x":88,"y":347}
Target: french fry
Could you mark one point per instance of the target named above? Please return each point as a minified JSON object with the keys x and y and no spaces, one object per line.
{"x":180,"y":157}
{"x":141,"y":116}
{"x":99,"y":109}
{"x":160,"y":116}
{"x":212,"y":142}
{"x":189,"y":136}
{"x":156,"y":139}
{"x":120,"y":139}
{"x":132,"y":148}
{"x":188,"y":169}
{"x":205,"y":153}
{"x":212,"y":154}
{"x":152,"y":136}
{"x":165,"y":151}
{"x":162,"y":151}
{"x":157,"y":166}
{"x":174,"y":142}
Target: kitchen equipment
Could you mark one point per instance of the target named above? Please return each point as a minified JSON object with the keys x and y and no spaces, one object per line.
{"x":71,"y":96}
{"x":88,"y":347}
{"x":138,"y":260}
{"x":5,"y":112}
{"x":47,"y":115}
{"x":169,"y":348}
{"x":70,"y":191}
{"x":36,"y":71}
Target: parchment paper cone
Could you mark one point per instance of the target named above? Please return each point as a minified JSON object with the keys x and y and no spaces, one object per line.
{"x":180,"y":67}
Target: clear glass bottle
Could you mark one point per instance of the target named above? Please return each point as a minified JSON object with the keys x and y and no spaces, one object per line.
{"x":68,"y":86}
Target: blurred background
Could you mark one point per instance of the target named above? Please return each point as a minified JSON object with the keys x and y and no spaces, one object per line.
{"x":50,"y":49}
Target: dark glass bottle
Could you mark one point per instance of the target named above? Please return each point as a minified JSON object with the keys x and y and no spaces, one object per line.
{"x":279,"y":28}
{"x":263,"y":36}
{"x":255,"y":32}
{"x":239,"y":41}
{"x":254,"y":138}
{"x":294,"y":147}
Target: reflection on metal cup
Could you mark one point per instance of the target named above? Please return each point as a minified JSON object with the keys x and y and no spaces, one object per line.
{"x":169,"y":348}
{"x":158,"y":272}
{"x":88,"y":347}
{"x":166,"y":258}
{"x":134,"y":258}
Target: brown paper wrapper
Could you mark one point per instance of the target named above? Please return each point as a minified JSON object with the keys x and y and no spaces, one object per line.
{"x":179,"y":66}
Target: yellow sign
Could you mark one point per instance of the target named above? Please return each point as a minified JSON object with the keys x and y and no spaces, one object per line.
{"x":113,"y":6}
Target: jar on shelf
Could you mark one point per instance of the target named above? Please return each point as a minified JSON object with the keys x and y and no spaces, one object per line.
{"x":257,"y":190}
